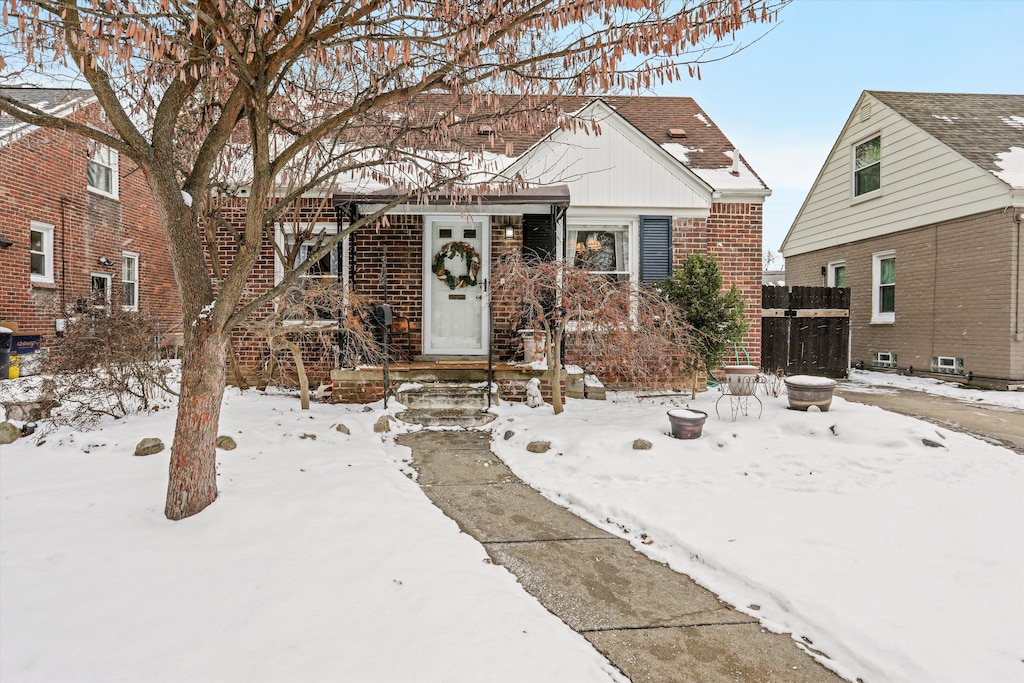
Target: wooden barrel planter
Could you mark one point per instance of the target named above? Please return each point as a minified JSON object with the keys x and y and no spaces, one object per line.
{"x":687,"y":423}
{"x":805,"y":391}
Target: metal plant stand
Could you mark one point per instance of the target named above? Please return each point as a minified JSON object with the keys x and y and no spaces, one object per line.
{"x":740,"y":394}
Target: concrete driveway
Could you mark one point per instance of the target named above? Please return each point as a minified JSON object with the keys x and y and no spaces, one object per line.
{"x":1003,"y":426}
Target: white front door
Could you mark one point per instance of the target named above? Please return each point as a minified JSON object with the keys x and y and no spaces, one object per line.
{"x":455,"y":252}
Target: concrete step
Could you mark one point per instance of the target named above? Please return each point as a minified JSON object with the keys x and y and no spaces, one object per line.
{"x":446,"y":417}
{"x":432,"y":396}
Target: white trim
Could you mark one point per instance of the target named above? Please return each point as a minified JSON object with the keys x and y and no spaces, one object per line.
{"x":110,"y":282}
{"x":47,"y":231}
{"x":132,"y":255}
{"x":878,"y":317}
{"x":428,"y":276}
{"x":112,"y":163}
{"x":832,"y":266}
{"x":854,"y":197}
{"x":320,"y":227}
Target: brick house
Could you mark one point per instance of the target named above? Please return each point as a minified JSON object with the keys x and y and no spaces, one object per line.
{"x":659,"y":182}
{"x":78,"y":225}
{"x":918,"y":211}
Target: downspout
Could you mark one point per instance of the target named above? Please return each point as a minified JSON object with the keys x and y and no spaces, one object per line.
{"x":63,"y":253}
{"x":1018,"y":266}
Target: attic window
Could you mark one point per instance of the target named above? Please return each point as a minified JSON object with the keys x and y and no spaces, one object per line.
{"x":485,"y":129}
{"x":676,"y":133}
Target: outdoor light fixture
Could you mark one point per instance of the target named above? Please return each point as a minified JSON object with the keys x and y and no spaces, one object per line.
{"x":105,"y":261}
{"x":4,"y":242}
{"x":510,"y":232}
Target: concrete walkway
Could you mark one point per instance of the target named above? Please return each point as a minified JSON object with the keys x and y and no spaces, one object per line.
{"x":1001,"y":426}
{"x":652,"y":623}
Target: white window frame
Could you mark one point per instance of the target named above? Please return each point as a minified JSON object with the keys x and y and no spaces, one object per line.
{"x":877,"y":316}
{"x":47,"y":231}
{"x":889,"y":362}
{"x":853,"y":168}
{"x":106,"y":158}
{"x":105,"y":306}
{"x":283,"y":233}
{"x":125,"y":256}
{"x":832,"y":267}
{"x":629,"y":227}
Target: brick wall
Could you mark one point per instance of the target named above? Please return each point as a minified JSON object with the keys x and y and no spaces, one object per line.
{"x":731,"y":234}
{"x":954,"y":285}
{"x":43,"y":179}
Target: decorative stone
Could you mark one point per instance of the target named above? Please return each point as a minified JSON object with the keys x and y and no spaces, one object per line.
{"x":574,"y":381}
{"x":9,"y":433}
{"x":642,"y":445}
{"x":149,"y":446}
{"x":383,"y":424}
{"x":538,"y":446}
{"x":593,"y":389}
{"x":226,"y":443}
{"x":508,"y":434}
{"x":932,"y":444}
{"x":343,"y":429}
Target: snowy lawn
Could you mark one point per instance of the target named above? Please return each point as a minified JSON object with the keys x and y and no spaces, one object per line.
{"x":323,"y":561}
{"x":320,"y":561}
{"x":900,"y":561}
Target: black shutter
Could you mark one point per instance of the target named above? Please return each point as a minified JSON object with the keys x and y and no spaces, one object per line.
{"x":655,"y":248}
{"x":538,"y":236}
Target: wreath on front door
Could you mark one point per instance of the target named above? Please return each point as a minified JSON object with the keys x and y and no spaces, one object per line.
{"x":455,"y":250}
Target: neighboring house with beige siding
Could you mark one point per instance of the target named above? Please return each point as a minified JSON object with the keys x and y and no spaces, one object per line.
{"x":918,"y":210}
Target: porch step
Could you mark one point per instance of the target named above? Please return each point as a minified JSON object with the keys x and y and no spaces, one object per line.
{"x":446,"y":417}
{"x":437,"y":396}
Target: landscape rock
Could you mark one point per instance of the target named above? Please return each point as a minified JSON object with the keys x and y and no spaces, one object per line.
{"x":9,"y":433}
{"x":539,"y":446}
{"x":149,"y":446}
{"x":226,"y":443}
{"x":932,"y":444}
{"x":383,"y":424}
{"x":642,"y":445}
{"x":508,"y":434}
{"x":343,"y":429}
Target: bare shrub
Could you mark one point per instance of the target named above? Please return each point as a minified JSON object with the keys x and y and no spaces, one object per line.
{"x":630,"y":333}
{"x":107,"y":364}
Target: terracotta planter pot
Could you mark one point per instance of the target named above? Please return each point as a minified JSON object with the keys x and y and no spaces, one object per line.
{"x":686,"y":423}
{"x":742,"y":379}
{"x":805,"y":391}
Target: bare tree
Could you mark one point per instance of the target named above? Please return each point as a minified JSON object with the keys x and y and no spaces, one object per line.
{"x":629,"y":333}
{"x":261,"y":87}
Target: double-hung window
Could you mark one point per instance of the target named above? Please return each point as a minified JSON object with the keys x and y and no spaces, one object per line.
{"x":601,"y":249}
{"x":883,"y":287}
{"x":41,"y":252}
{"x":867,"y":167}
{"x":102,"y":170}
{"x":130,"y":281}
{"x":299,"y":242}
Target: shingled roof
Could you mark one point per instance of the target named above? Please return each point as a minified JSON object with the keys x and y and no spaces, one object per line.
{"x":49,"y":100}
{"x":982,"y":128}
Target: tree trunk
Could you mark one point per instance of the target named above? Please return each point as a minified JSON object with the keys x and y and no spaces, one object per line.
{"x":192,"y":480}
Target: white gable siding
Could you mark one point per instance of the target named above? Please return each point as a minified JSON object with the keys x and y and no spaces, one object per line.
{"x":923,"y":182}
{"x":618,"y":168}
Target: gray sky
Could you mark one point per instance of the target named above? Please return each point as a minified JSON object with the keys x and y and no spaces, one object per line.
{"x":784,"y":99}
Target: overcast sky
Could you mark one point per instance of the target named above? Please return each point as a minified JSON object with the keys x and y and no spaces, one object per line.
{"x":784,"y":99}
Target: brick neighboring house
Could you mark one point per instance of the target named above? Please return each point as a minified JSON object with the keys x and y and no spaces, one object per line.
{"x":918,"y":210}
{"x":659,"y":182}
{"x":76,"y":222}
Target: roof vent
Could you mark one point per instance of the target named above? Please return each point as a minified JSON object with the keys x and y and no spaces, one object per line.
{"x":485,"y":129}
{"x":676,"y":133}
{"x":735,"y":162}
{"x":865,"y":112}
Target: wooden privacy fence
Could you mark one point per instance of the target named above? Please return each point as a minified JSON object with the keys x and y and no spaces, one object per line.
{"x":805,"y":330}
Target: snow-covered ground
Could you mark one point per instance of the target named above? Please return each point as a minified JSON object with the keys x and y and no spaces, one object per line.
{"x":322,"y":560}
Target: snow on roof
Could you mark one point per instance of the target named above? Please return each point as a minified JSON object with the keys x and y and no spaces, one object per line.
{"x":56,"y":101}
{"x":1014,"y":121}
{"x":1011,"y":166}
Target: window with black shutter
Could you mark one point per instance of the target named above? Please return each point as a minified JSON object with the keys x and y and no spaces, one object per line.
{"x":538,"y":236}
{"x":655,"y":248}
